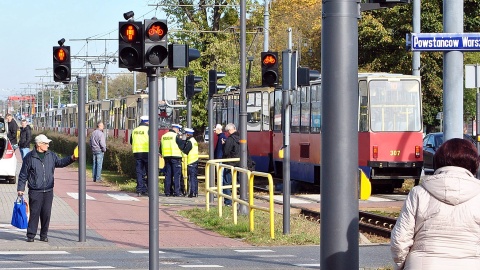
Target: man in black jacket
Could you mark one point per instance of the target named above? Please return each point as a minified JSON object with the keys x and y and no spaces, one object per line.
{"x":25,"y":138}
{"x":231,"y":149}
{"x":38,"y":168}
{"x":12,"y":130}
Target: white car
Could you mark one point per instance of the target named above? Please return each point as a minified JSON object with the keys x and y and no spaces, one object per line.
{"x":8,"y":159}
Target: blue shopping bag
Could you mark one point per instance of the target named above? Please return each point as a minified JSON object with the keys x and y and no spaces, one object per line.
{"x":19,"y":215}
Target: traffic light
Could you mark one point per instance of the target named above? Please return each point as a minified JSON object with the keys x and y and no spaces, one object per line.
{"x":155,"y":42}
{"x":130,"y":45}
{"x":213,"y":77}
{"x":269,"y":68}
{"x":305,"y":75}
{"x":179,"y":56}
{"x":61,"y":64}
{"x":190,"y":89}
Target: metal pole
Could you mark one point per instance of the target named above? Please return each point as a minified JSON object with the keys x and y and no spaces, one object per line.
{"x":82,"y":162}
{"x":266,"y":26}
{"x":339,"y":146}
{"x":135,"y":82}
{"x":286,"y":86}
{"x":106,"y":80}
{"x":153,"y":205}
{"x":453,"y":74}
{"x":416,"y":29}
{"x":211,"y":148}
{"x":243,"y":107}
{"x":477,"y":135}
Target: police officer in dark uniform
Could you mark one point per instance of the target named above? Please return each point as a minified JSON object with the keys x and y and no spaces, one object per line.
{"x":139,"y":141}
{"x":171,"y":144}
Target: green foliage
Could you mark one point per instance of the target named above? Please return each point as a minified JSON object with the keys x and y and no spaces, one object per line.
{"x":118,"y":158}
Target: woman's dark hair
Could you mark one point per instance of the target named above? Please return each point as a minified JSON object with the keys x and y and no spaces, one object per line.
{"x":457,"y":152}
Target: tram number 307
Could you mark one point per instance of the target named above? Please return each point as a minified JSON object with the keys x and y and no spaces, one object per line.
{"x":394,"y":152}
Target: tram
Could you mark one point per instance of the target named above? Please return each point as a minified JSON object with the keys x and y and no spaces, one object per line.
{"x":120,"y":116}
{"x":390,"y":129}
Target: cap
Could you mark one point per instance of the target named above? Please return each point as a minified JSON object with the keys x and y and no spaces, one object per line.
{"x":188,"y":130}
{"x":144,"y":118}
{"x":218,"y":126}
{"x":177,"y":126}
{"x":42,"y":139}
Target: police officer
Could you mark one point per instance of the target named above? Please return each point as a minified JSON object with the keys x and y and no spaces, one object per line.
{"x":171,"y":145}
{"x":191,"y":150}
{"x":139,"y":141}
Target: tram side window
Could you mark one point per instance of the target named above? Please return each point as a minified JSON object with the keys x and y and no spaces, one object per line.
{"x":316,"y":119}
{"x":305,"y":109}
{"x":265,"y":111}
{"x":363,"y":109}
{"x":254,"y":111}
{"x":236,"y":111}
{"x":295,"y":124}
{"x":277,"y":111}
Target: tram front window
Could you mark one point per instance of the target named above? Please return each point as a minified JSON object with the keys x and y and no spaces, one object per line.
{"x":395,"y":105}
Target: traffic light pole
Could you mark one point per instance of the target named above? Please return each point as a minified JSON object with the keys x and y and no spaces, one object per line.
{"x":339,"y":146}
{"x":211,"y":148}
{"x":82,"y":162}
{"x":286,"y":87}
{"x":153,"y":169}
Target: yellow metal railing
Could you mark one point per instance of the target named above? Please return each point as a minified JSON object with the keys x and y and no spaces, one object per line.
{"x":218,"y":190}
{"x":161,"y":164}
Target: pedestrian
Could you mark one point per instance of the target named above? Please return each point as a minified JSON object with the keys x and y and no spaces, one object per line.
{"x":221,"y":138}
{"x":191,"y":150}
{"x":171,"y":143}
{"x":231,"y":149}
{"x":140,"y":146}
{"x":38,"y":169}
{"x":98,"y":146}
{"x":25,"y":138}
{"x":12,"y":130}
{"x":438,"y":226}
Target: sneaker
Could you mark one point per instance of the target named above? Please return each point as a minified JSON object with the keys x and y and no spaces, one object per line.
{"x":30,"y":239}
{"x":44,"y":239}
{"x":142,"y":194}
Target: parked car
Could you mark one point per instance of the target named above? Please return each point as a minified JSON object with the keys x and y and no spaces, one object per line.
{"x":8,"y":159}
{"x":431,"y":143}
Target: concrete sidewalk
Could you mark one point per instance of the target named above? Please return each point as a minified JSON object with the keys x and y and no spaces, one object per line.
{"x":114,"y":219}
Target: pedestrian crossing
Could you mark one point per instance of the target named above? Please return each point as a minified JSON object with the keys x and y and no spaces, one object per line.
{"x":115,"y":196}
{"x":138,"y":259}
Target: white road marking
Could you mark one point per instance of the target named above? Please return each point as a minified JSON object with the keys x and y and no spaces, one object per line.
{"x":253,"y":250}
{"x":200,"y":266}
{"x":275,"y":256}
{"x":33,"y":252}
{"x":308,"y":265}
{"x":75,"y":196}
{"x":142,"y":251}
{"x":122,"y":197}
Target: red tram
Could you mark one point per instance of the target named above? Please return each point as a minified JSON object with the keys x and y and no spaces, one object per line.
{"x":389,"y":128}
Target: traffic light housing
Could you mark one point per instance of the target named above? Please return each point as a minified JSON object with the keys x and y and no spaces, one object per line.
{"x":213,"y":77}
{"x":305,"y":75}
{"x":61,"y":64}
{"x":269,"y":68}
{"x":190,"y":89}
{"x":180,"y":55}
{"x":130,"y":51}
{"x":155,"y":43}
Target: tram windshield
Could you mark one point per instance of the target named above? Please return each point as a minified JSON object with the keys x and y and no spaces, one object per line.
{"x":395,"y":105}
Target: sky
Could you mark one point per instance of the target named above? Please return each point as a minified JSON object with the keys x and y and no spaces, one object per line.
{"x":32,"y":27}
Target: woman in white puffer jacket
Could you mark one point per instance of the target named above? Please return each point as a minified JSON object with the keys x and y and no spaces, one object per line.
{"x":439,"y":225}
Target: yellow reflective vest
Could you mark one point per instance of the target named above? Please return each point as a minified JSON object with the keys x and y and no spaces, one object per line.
{"x":140,"y":139}
{"x":193,"y":154}
{"x":169,"y":145}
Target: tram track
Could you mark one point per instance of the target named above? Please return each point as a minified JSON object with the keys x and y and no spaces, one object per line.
{"x":368,"y":222}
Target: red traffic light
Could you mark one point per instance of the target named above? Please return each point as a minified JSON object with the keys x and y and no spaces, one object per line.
{"x":129,"y":32}
{"x":60,"y":55}
{"x":156,"y":30}
{"x":269,"y":60}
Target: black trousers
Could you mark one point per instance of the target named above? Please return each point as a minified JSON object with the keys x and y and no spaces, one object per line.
{"x":40,"y":204}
